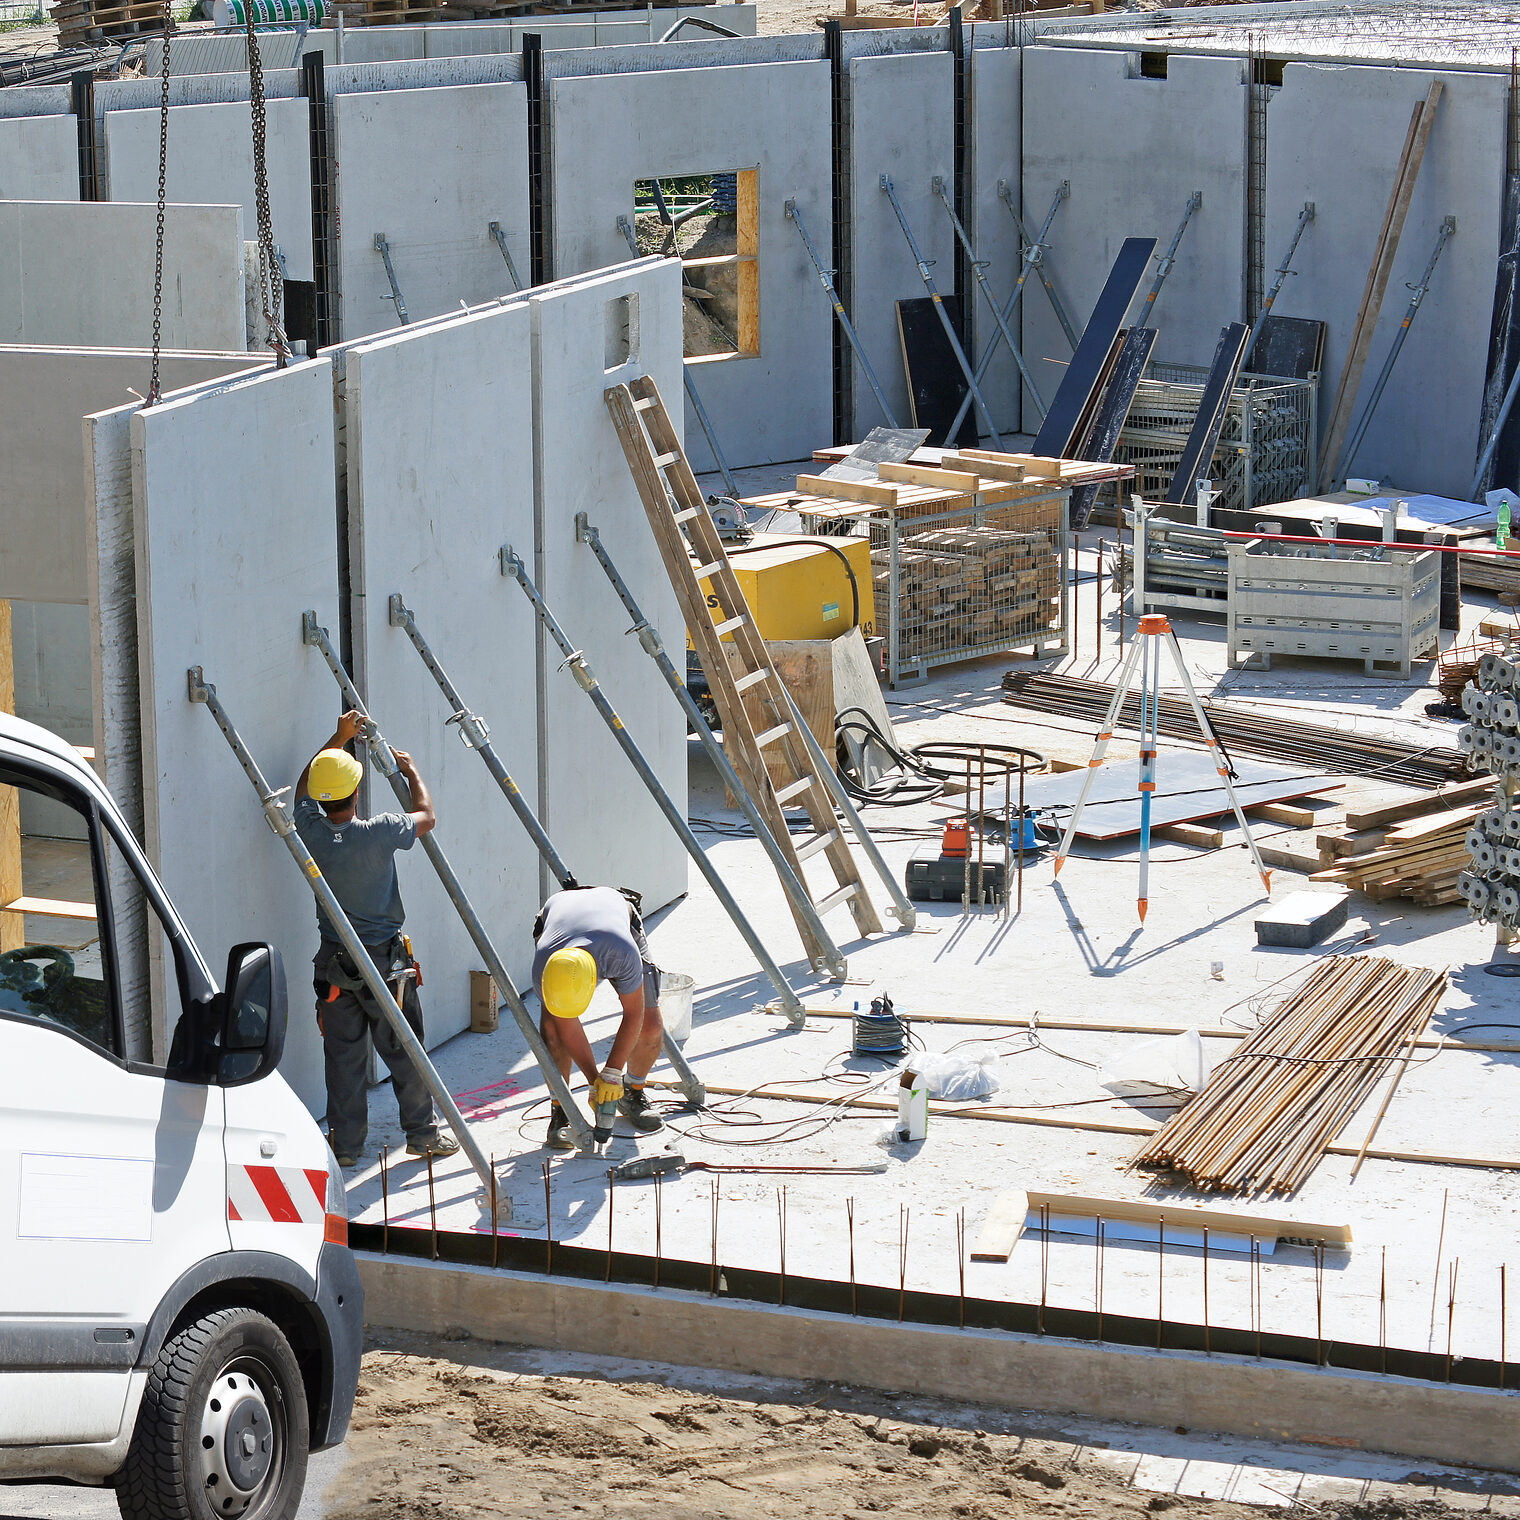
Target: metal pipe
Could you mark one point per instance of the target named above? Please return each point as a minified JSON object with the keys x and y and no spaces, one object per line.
{"x":383,"y":248}
{"x":283,"y":824}
{"x":500,"y":239}
{"x":312,"y":633}
{"x":924,"y":266}
{"x":1283,"y":271}
{"x":1168,"y":259}
{"x":513,"y":567}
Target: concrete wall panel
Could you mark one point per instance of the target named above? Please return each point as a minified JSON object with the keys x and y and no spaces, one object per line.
{"x":83,"y":273}
{"x":605,"y":824}
{"x":44,"y":554}
{"x":1424,"y":435}
{"x":440,"y":440}
{"x":211,"y":160}
{"x":39,"y":158}
{"x":431,"y":169}
{"x":608,"y":131}
{"x":1134,"y":150}
{"x":222,"y":579}
{"x":910,"y":146}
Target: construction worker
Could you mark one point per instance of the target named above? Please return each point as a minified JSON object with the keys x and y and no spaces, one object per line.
{"x":358,"y":858}
{"x":582,"y":935}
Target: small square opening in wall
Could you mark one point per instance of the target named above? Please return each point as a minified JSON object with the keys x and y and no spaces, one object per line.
{"x":711,"y":222}
{"x":1153,"y":65}
{"x":622,"y":331}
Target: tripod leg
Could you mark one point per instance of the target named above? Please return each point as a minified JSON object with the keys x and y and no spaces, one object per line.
{"x":1100,"y":748}
{"x":1150,"y":699}
{"x":1219,"y":765}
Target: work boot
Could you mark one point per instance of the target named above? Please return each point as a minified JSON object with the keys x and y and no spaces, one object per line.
{"x":347,"y":1155}
{"x":437,"y":1145}
{"x":634,"y":1107}
{"x":558,"y":1138}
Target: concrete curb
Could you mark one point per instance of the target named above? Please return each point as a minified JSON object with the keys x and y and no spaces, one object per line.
{"x":1229,"y":1394}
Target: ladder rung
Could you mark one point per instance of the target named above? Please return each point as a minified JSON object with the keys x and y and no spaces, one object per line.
{"x":703,"y":571}
{"x":780,"y":731}
{"x":833,"y":900}
{"x":796,"y":789}
{"x":688,"y":514}
{"x":661,"y":460}
{"x":816,"y":843}
{"x":754,"y":678}
{"x":643,"y":404}
{"x":729,"y":624}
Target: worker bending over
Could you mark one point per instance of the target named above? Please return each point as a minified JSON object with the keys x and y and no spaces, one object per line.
{"x":358,"y":858}
{"x":582,"y":935}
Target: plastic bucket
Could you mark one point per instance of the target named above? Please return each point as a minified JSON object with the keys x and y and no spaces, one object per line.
{"x":675,"y":1004}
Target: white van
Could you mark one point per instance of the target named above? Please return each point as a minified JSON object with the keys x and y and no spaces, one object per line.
{"x":180,"y":1316}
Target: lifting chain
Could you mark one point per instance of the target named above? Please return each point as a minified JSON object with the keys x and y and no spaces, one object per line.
{"x":271,"y":277}
{"x":163,"y":181}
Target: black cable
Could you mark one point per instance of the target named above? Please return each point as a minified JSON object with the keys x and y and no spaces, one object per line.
{"x":843,"y":558}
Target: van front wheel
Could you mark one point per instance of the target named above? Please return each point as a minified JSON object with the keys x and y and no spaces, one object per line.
{"x":223,"y":1427}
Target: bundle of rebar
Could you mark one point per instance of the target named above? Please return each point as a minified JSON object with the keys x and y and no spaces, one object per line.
{"x":1268,"y":1111}
{"x":1338,"y":751}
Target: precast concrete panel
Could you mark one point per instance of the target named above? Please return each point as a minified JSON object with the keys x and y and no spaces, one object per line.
{"x":1134,"y":149}
{"x":440,"y":475}
{"x":234,"y":500}
{"x":608,"y":131}
{"x":44,"y":550}
{"x":995,"y":129}
{"x":211,"y":160}
{"x":601,"y":817}
{"x":83,"y":273}
{"x":39,"y":158}
{"x":902,"y":124}
{"x":431,"y":169}
{"x":1424,"y":434}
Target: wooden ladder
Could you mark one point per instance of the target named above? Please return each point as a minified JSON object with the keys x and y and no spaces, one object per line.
{"x":757,"y":719}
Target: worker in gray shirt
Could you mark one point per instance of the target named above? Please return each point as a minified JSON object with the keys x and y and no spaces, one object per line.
{"x":358,"y":858}
{"x":582,"y":935}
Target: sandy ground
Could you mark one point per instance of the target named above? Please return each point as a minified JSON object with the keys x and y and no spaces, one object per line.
{"x":452,"y":1430}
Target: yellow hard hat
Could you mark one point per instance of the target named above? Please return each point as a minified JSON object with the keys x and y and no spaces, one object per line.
{"x":568,"y":981}
{"x":334,"y":776}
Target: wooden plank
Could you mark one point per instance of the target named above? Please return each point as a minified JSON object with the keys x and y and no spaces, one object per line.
{"x":747,"y":241}
{"x":996,"y":467}
{"x":1148,"y":1211}
{"x":1285,"y":813}
{"x":50,"y":907}
{"x":923,"y":475}
{"x":1198,"y":835}
{"x":485,"y":1003}
{"x":1417,"y":807}
{"x":849,"y":490}
{"x":12,"y":930}
{"x":1001,"y":1228}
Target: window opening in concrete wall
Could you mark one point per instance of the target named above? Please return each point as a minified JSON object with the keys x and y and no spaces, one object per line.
{"x":710,"y":222}
{"x":1268,"y":71}
{"x":1153,"y":65}
{"x":622,"y":331}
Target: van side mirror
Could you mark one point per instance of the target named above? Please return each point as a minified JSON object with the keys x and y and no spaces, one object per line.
{"x":253,"y":1015}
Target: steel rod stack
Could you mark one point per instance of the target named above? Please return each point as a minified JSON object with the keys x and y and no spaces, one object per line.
{"x":1266,"y":1115}
{"x":1335,"y":750}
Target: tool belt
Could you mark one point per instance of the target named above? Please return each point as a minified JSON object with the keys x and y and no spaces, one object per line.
{"x":393,"y":961}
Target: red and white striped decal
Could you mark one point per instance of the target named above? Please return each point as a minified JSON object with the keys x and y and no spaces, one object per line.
{"x":276,"y":1194}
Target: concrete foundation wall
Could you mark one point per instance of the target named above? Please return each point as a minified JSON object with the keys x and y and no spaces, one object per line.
{"x":43,"y":494}
{"x":434,"y":206}
{"x":608,"y":131}
{"x":222,"y":578}
{"x":1134,"y":150}
{"x":211,"y":160}
{"x":603,"y":820}
{"x":39,"y":158}
{"x":910,"y":146}
{"x":439,"y":451}
{"x":83,"y":273}
{"x":1205,"y":1393}
{"x":1425,"y":432}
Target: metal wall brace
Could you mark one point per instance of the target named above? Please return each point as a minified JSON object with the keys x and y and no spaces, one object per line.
{"x":312,"y":633}
{"x":978,"y":270}
{"x":626,"y":228}
{"x":500,"y":239}
{"x":1279,"y":279}
{"x":847,"y":327}
{"x":1168,"y":259}
{"x":924,"y":266}
{"x":514,"y":569}
{"x":283,"y":824}
{"x":476,"y":733}
{"x":383,"y":248}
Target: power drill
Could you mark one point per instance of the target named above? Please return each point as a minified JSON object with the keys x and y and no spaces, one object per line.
{"x":601,"y":1131}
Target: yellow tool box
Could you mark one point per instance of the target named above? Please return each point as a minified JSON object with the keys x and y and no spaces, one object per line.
{"x":800,"y":587}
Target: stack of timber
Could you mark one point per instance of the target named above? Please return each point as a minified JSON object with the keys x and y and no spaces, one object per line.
{"x":1267,"y":1113}
{"x":1408,"y":849}
{"x":82,"y":21}
{"x":1339,"y":751}
{"x":1489,"y":572}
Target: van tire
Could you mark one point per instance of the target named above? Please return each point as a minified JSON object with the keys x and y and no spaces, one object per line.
{"x":167,"y":1474}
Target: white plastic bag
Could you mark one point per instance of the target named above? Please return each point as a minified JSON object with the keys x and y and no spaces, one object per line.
{"x":952,"y":1077}
{"x":1168,"y":1063}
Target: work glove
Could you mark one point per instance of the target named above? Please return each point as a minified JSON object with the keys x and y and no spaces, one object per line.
{"x":608,"y":1087}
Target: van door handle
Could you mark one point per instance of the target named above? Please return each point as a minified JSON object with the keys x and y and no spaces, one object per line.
{"x":268,"y":1147}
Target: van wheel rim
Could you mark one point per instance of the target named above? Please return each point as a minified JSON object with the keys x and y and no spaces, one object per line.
{"x":241,"y":1439}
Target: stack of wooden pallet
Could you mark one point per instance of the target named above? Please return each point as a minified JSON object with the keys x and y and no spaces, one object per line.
{"x":383,"y":12}
{"x":81,"y":22}
{"x":1408,"y":849}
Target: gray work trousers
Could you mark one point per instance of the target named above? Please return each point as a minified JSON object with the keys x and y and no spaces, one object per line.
{"x":349,"y":1023}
